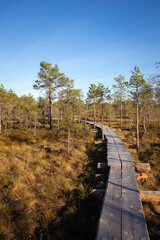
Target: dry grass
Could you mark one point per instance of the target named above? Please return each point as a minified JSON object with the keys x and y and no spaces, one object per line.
{"x":38,"y":179}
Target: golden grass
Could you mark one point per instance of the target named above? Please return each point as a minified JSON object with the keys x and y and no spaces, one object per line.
{"x":37,"y":177}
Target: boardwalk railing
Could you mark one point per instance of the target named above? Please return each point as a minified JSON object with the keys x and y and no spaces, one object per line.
{"x":122,"y":216}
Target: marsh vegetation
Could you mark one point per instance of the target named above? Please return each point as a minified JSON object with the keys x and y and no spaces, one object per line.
{"x":48,"y":159}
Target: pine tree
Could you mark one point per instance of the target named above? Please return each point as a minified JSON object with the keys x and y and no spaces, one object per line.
{"x":50,"y":79}
{"x":69,"y":97}
{"x":102,"y":94}
{"x":119,"y":91}
{"x":146,"y":95}
{"x":92,"y":96}
{"x":135,"y":84}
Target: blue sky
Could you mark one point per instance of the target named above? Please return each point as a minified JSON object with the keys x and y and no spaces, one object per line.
{"x":91,"y":40}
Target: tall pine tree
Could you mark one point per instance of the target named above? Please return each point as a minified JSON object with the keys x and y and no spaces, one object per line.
{"x":49,"y":78}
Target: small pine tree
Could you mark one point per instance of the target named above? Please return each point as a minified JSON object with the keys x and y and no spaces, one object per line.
{"x":135,"y":84}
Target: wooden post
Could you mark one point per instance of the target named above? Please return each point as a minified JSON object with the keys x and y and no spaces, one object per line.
{"x":143,"y":167}
{"x":101,"y":165}
{"x":143,"y":176}
{"x":98,"y":191}
{"x":150,"y":195}
{"x":50,"y":107}
{"x":137,"y":119}
{"x":0,"y":119}
{"x":100,"y":177}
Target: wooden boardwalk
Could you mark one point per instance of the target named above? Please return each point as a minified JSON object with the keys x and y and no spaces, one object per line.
{"x":122,"y":216}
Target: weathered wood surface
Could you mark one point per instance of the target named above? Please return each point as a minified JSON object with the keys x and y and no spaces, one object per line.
{"x":101,"y":165}
{"x":150,"y":195}
{"x":100,"y":142}
{"x":100,"y":177}
{"x":110,"y":220}
{"x":125,"y":156}
{"x":143,"y":176}
{"x":112,"y":152}
{"x":115,"y":144}
{"x":143,"y":167}
{"x":122,"y":216}
{"x":133,"y":220}
{"x":98,"y":191}
{"x":132,"y":150}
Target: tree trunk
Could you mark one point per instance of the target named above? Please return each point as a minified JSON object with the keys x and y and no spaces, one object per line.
{"x":58,"y":119}
{"x":144,"y":118}
{"x":61,"y":114}
{"x":149,"y":122}
{"x":110,"y":116}
{"x":130,"y":123}
{"x":43,"y":113}
{"x":11,"y":122}
{"x":79,"y":117}
{"x":85,"y":118}
{"x":50,"y":107}
{"x":58,"y":125}
{"x":94,"y":113}
{"x":27,"y":121}
{"x":102,"y":120}
{"x":121,"y":107}
{"x":137,"y":117}
{"x":144,"y":124}
{"x":86,"y":113}
{"x":68,"y":150}
{"x":0,"y":120}
{"x":35,"y":122}
{"x":115,"y":116}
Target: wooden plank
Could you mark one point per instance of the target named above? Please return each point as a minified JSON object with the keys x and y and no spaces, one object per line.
{"x":122,"y":214}
{"x":102,"y":165}
{"x":94,"y":130}
{"x":143,"y":176}
{"x":113,"y":142}
{"x":100,"y":142}
{"x":98,"y":125}
{"x":150,"y":195}
{"x":100,"y":177}
{"x":112,"y":153}
{"x":133,"y":220}
{"x":125,"y":156}
{"x":132,"y":150}
{"x":98,"y":191}
{"x":112,"y":133}
{"x":143,"y":167}
{"x":109,"y":223}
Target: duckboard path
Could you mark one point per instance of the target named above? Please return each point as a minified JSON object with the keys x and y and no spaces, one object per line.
{"x":122,"y":216}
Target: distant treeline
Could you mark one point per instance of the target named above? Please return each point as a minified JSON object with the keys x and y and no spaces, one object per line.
{"x":132,"y":104}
